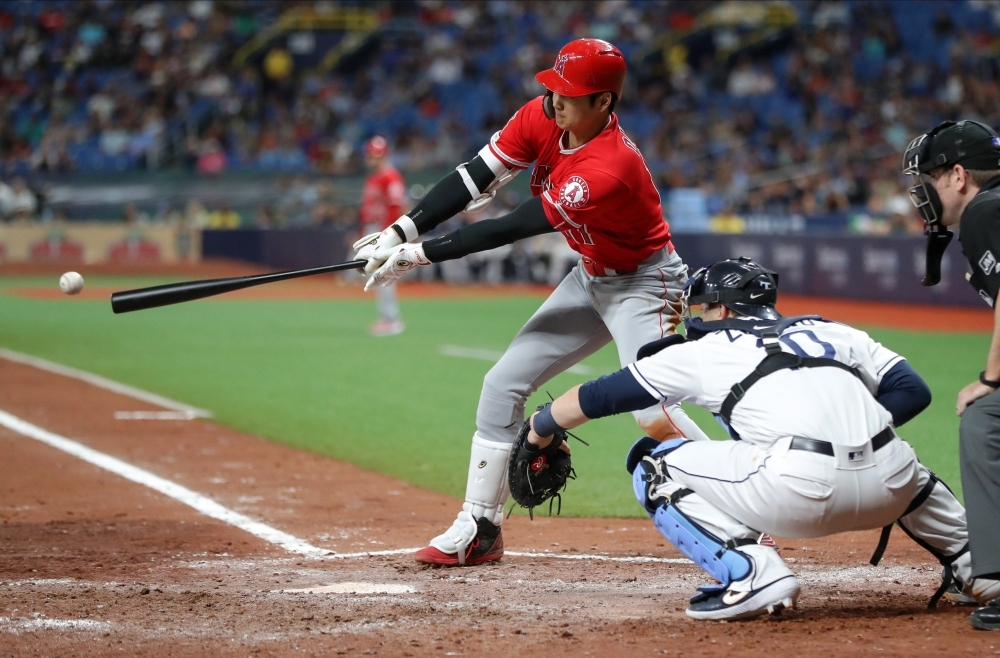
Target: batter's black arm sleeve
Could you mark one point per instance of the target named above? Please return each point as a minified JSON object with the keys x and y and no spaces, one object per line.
{"x":450,"y":196}
{"x":903,"y":393}
{"x":614,"y":394}
{"x":528,"y":219}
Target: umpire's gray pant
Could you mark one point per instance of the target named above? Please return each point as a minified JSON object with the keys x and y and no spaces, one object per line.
{"x":980,"y":455}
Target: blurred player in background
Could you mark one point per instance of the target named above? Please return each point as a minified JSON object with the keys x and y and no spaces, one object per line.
{"x":382,"y":199}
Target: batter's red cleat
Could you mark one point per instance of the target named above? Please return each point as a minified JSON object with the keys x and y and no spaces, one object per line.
{"x":456,"y":548}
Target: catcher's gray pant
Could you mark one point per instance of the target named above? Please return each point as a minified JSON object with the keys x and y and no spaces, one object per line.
{"x":583,"y":314}
{"x":979,"y":449}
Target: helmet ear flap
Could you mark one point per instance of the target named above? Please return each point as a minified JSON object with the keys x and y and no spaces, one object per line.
{"x":550,"y":111}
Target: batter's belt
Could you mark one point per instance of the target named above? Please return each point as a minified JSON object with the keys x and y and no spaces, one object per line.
{"x":593,"y":268}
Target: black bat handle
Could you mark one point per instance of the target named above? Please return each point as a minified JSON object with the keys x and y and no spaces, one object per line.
{"x":175,"y":293}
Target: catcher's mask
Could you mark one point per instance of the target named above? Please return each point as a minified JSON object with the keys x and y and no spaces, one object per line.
{"x":975,"y":146}
{"x":739,"y":284}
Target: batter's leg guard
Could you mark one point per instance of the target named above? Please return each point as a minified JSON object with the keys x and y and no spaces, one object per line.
{"x":475,"y":537}
{"x":486,"y":490}
{"x":936,"y":520}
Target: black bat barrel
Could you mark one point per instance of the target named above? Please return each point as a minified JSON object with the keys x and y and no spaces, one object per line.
{"x":175,"y":293}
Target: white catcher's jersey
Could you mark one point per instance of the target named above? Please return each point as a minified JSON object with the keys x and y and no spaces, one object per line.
{"x":828,"y":404}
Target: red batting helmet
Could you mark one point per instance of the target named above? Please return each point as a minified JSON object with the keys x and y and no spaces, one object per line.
{"x":376,"y":147}
{"x":586,"y":66}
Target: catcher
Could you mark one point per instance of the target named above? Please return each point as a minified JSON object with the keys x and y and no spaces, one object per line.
{"x":813,"y":405}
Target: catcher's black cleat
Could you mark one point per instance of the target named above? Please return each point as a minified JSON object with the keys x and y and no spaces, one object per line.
{"x":486,"y":546}
{"x":987,"y":618}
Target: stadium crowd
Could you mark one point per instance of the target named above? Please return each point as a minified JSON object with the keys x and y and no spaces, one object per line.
{"x":762,"y":110}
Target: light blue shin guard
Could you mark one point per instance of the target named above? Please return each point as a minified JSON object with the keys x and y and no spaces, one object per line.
{"x":704,"y":549}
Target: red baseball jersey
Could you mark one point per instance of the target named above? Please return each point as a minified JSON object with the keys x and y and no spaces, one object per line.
{"x":382,"y":197}
{"x":600,"y":195}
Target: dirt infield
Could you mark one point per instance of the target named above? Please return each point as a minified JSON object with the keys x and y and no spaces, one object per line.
{"x":95,"y":564}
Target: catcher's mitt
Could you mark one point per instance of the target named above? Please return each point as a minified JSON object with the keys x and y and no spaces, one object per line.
{"x":538,"y":474}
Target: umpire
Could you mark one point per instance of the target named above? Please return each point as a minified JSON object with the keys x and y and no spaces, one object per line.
{"x":955,"y":170}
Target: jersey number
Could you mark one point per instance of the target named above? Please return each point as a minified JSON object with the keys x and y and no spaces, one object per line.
{"x":579,"y":234}
{"x":828,"y":350}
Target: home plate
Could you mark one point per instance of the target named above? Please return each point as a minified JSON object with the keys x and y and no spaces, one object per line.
{"x":354,"y":588}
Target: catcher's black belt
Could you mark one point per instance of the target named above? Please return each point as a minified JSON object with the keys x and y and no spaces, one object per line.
{"x":826,"y":448}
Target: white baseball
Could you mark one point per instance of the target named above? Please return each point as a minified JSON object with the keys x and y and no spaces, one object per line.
{"x":71,"y":283}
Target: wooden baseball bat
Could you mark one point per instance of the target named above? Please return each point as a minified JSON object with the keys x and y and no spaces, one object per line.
{"x":175,"y":293}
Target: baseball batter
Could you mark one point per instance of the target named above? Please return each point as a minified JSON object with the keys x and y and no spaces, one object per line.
{"x":813,"y":405}
{"x":382,"y":199}
{"x":589,"y":182}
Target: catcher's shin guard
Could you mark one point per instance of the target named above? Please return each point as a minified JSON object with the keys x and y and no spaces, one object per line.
{"x":662,"y":498}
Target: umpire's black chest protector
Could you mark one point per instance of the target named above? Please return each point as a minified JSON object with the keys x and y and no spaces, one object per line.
{"x":979,"y":235}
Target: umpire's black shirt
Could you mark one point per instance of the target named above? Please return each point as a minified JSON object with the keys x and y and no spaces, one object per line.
{"x":979,"y":233}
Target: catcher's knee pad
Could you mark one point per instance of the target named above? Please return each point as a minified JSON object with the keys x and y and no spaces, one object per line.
{"x":715,"y":556}
{"x":648,"y":471}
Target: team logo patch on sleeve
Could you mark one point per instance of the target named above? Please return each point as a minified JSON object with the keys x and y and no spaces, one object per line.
{"x":987,"y":262}
{"x":574,"y":193}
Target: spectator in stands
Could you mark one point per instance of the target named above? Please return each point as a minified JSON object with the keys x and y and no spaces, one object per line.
{"x":129,"y":85}
{"x":132,"y":216}
{"x":17,"y":201}
{"x":224,"y":217}
{"x":727,"y":221}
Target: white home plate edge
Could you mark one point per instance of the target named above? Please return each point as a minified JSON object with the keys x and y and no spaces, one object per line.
{"x":354,"y":588}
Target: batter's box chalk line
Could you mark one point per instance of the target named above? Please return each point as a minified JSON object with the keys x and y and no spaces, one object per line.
{"x":353,"y":588}
{"x":208,"y":507}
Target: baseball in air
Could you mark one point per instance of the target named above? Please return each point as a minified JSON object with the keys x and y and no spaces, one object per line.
{"x":71,"y":283}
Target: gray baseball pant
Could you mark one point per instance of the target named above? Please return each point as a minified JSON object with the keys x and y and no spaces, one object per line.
{"x":979,"y":451}
{"x":583,"y":314}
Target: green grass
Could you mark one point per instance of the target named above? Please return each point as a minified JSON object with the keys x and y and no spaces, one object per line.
{"x":305,"y":373}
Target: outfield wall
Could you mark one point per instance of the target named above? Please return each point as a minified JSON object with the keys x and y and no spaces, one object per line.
{"x":849,"y":267}
{"x":91,"y":243}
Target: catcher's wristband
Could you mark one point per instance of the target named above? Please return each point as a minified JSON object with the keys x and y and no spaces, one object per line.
{"x":544,"y":424}
{"x":992,"y":383}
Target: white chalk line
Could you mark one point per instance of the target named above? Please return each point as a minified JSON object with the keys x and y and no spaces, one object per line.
{"x":155,"y":415}
{"x":353,"y":588}
{"x":493,"y":356}
{"x":103,"y":382}
{"x":22,"y":624}
{"x":197,"y":501}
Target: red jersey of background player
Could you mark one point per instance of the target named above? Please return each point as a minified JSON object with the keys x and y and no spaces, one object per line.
{"x":600,"y":195}
{"x":382,"y":197}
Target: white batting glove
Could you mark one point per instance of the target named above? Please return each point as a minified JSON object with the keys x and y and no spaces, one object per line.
{"x":397,"y":261}
{"x":373,"y":243}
